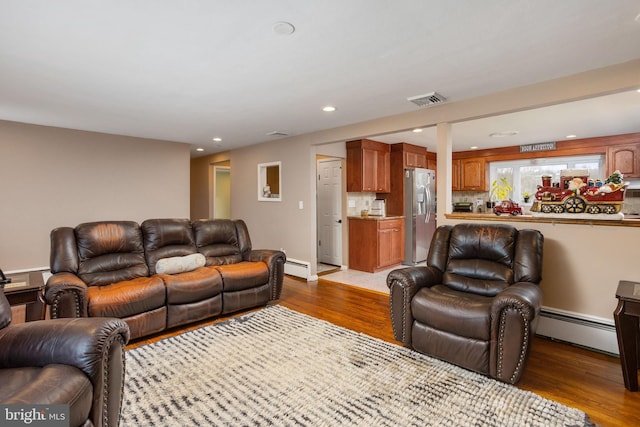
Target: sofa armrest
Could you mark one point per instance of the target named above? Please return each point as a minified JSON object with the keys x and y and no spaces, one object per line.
{"x":514,"y":315}
{"x":403,"y":284}
{"x":95,"y":346}
{"x":275,"y":262}
{"x":66,"y":293}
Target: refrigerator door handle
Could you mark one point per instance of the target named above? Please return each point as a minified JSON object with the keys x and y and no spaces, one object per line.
{"x":427,"y":194}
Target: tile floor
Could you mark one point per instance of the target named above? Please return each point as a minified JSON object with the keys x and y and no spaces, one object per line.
{"x":373,"y":281}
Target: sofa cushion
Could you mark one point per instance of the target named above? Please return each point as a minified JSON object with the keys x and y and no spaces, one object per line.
{"x":460,"y":313}
{"x":243,"y":275}
{"x":218,"y":241}
{"x":165,"y":238}
{"x":51,"y":384}
{"x":192,"y":286}
{"x":109,"y":252}
{"x":127,"y":298}
{"x":180,"y":264}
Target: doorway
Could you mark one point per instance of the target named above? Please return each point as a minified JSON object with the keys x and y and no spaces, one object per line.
{"x":221,"y":199}
{"x":329,"y":212}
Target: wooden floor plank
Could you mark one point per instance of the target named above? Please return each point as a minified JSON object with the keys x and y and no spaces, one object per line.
{"x":571,"y":375}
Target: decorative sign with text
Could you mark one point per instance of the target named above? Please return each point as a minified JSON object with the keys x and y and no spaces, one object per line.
{"x":541,"y":146}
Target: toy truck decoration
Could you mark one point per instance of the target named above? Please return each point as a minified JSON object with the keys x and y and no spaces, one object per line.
{"x":576,"y":193}
{"x":507,"y":207}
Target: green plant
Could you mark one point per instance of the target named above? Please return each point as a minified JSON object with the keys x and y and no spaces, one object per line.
{"x":500,"y":189}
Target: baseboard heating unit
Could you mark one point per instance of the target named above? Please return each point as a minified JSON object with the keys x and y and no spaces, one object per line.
{"x":577,"y":328}
{"x":297,"y":268}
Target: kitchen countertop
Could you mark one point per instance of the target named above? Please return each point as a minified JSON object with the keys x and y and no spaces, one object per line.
{"x":629,"y":221}
{"x":376,"y":218}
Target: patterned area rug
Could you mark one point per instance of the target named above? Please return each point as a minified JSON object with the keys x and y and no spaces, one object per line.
{"x":279,"y":367}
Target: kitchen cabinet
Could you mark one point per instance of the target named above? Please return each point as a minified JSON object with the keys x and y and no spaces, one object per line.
{"x":375,"y":244}
{"x":403,"y":156}
{"x":413,"y":156}
{"x":368,"y":166}
{"x":625,"y":158}
{"x":455,"y":175}
{"x":432,"y":161}
{"x":473,"y":175}
{"x":470,"y":174}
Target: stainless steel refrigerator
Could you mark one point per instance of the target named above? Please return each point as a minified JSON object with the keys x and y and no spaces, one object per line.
{"x":420,"y":214}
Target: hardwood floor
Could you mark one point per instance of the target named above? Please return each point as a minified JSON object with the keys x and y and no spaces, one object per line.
{"x":574,"y":376}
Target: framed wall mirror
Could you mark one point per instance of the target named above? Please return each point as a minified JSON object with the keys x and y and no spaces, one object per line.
{"x":270,"y":182}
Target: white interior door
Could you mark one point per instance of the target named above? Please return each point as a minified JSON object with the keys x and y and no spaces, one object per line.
{"x":330,"y":211}
{"x":221,"y":192}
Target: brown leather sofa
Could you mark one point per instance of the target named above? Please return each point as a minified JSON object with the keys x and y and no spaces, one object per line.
{"x":110,"y":268}
{"x":75,"y":362}
{"x":476,"y":302}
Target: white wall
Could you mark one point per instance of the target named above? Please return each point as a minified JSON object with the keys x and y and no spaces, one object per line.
{"x":52,"y":177}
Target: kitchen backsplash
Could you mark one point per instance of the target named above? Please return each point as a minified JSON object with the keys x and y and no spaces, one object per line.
{"x":357,"y":202}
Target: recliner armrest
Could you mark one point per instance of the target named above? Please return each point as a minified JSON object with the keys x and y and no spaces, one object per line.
{"x":514,"y":314}
{"x":77,"y":342}
{"x":93,"y":345}
{"x":526,"y":296}
{"x":66,"y":293}
{"x":275,"y":262}
{"x":403,"y":285}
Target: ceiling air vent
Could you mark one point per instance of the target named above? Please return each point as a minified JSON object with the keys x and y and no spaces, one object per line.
{"x":276,"y":133}
{"x":428,"y":99}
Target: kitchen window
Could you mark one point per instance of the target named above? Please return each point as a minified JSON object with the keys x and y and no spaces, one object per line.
{"x":524,"y":176}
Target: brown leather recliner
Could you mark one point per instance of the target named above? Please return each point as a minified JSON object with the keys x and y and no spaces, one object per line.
{"x":76,"y":362}
{"x":476,"y":302}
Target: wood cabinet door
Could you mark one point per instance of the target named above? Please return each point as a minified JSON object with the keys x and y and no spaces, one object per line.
{"x":390,"y":242}
{"x":625,"y":158}
{"x":369,"y":170}
{"x":473,"y":175}
{"x":397,"y":245}
{"x":455,"y":175}
{"x":385,"y":241}
{"x":382,"y":172}
{"x":415,"y":160}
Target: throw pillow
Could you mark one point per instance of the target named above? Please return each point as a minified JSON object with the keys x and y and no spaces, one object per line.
{"x":180,"y":264}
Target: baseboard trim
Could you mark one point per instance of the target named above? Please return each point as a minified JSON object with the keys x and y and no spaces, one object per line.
{"x":584,"y":330}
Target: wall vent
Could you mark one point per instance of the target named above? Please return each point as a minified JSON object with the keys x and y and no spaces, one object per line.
{"x":277,"y":133}
{"x":427,"y":99}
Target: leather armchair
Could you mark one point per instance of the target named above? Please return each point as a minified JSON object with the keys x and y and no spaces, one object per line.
{"x":476,"y":302}
{"x":79,"y":362}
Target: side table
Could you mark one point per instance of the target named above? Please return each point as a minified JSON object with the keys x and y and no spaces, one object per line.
{"x":27,"y":289}
{"x":626,"y":317}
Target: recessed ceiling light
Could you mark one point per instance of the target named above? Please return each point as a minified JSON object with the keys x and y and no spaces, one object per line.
{"x":473,"y":147}
{"x":329,"y":108}
{"x":283,"y":28}
{"x":572,"y":136}
{"x":199,"y":149}
{"x":417,"y":130}
{"x":217,"y":139}
{"x":503,"y":133}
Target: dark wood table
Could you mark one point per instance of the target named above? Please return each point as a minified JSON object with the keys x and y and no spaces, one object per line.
{"x":627,"y":316}
{"x":26,"y":289}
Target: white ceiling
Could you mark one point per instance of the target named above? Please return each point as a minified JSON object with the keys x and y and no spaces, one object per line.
{"x":192,"y":70}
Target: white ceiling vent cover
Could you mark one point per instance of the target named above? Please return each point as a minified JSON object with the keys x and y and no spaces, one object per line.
{"x":428,"y":99}
{"x":277,"y":133}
